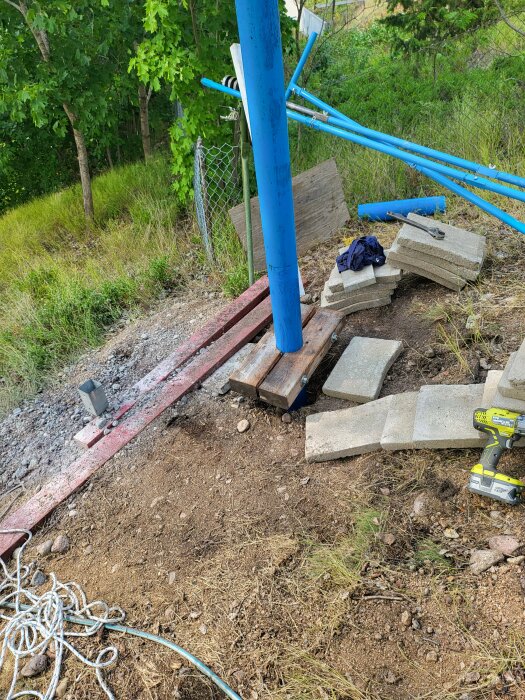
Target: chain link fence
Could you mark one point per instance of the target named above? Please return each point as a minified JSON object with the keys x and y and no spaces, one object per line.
{"x":217,"y":183}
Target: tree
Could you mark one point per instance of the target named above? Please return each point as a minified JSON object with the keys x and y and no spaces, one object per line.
{"x":64,"y":64}
{"x":429,"y":24}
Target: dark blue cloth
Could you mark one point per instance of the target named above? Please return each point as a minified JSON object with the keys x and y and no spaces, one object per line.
{"x":362,"y":252}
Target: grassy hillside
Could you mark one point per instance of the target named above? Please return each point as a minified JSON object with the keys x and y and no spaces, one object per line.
{"x":62,"y":284}
{"x":472,"y":107}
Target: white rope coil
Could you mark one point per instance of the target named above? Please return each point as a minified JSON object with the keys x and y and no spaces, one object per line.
{"x":28,"y":631}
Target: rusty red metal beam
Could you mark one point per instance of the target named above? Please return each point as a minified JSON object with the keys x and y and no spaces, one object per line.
{"x":33,"y":512}
{"x":228,"y":317}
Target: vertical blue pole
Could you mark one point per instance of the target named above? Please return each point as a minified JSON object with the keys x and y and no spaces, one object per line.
{"x":261,"y":48}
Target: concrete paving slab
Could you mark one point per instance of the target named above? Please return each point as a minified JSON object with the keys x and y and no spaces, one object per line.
{"x":387,"y":273}
{"x":398,"y":433}
{"x":350,"y":307}
{"x":459,"y":270}
{"x":444,"y":416}
{"x":220,"y":377}
{"x":361,"y":370}
{"x":348,"y":432}
{"x":334,"y":282}
{"x":490,"y":387}
{"x":462,"y":247}
{"x":403,"y":257}
{"x":456,"y":286}
{"x":357,"y":280}
{"x":505,"y":388}
{"x":374,"y":291}
{"x":516,"y":375}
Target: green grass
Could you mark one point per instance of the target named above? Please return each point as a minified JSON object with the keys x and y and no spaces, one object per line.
{"x":341,"y":562}
{"x":474,"y":110}
{"x":64,"y":283}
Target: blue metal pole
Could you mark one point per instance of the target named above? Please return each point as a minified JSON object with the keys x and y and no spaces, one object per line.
{"x":260,"y":36}
{"x":428,"y":168}
{"x":414,"y":160}
{"x":341,"y":120}
{"x":302,"y":61}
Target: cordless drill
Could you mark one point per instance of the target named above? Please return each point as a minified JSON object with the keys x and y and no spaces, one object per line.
{"x":503,"y":428}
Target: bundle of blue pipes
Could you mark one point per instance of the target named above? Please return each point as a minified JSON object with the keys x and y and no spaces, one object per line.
{"x":435,"y":164}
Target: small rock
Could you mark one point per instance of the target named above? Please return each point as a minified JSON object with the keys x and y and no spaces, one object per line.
{"x":243,"y":425}
{"x":44,"y":548}
{"x":203,"y":629}
{"x":420,"y":505}
{"x":472,"y":677}
{"x":37,"y":664}
{"x":406,"y":618}
{"x":183,"y":515}
{"x":88,"y":550}
{"x":195,"y":614}
{"x":62,"y":687}
{"x":432,"y":655}
{"x":384,"y":491}
{"x":60,"y":545}
{"x":20,"y":473}
{"x":505,"y":544}
{"x":101,"y":423}
{"x":390,"y":678}
{"x":306,"y":299}
{"x":73,"y":513}
{"x":516,"y":560}
{"x":416,"y":624}
{"x":483,"y":559}
{"x":388,"y":538}
{"x":430,"y":353}
{"x":484,"y":363}
{"x":38,"y":578}
{"x":169,"y":613}
{"x":304,"y":481}
{"x":172,"y":577}
{"x":450,"y":533}
{"x":286,"y":418}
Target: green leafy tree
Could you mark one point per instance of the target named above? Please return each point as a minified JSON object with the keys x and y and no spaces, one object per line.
{"x":429,"y":25}
{"x":64,"y":64}
{"x":183,"y":42}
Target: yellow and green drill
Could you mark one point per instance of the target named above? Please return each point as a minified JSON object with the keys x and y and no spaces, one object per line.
{"x":504,"y":428}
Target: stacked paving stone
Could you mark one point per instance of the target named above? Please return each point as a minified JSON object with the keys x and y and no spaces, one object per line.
{"x":510,"y":383}
{"x":435,"y":417}
{"x":351,"y":291}
{"x":452,"y":261}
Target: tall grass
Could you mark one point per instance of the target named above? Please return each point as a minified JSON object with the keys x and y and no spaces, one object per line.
{"x":473,"y":109}
{"x":64,"y":283}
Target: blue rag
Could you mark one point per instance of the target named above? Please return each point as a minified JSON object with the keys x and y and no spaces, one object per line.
{"x":361,"y":252}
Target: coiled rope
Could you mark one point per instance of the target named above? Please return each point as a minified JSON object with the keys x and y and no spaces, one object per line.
{"x":48,"y":622}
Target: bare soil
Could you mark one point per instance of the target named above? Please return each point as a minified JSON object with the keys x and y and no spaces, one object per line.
{"x":305,"y":581}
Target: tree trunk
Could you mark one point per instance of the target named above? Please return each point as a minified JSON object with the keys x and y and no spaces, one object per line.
{"x":83,"y":164}
{"x":42,"y":41}
{"x":144,"y":121}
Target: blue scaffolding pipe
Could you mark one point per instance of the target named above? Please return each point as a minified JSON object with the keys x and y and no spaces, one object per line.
{"x":409,"y":158}
{"x":260,"y":36}
{"x":483,"y":170}
{"x":414,"y":161}
{"x":339,"y":120}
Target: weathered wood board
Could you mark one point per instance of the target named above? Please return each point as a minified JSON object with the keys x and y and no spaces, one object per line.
{"x":320,"y":211}
{"x":261,"y":360}
{"x":285,"y":381}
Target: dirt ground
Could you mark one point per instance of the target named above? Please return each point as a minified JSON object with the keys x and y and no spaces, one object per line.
{"x":312,"y":581}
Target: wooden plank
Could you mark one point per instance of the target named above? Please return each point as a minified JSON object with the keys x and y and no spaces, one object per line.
{"x":31,"y":513}
{"x":252,"y":372}
{"x":225,"y":319}
{"x":284,"y":383}
{"x":320,"y":211}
